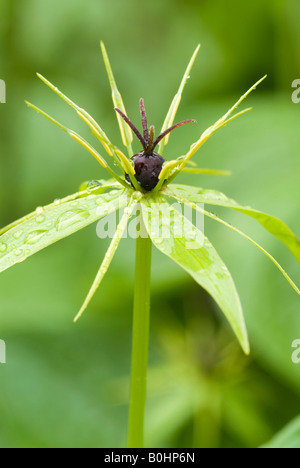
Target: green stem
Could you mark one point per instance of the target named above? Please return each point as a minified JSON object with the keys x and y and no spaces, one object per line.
{"x":140,"y":341}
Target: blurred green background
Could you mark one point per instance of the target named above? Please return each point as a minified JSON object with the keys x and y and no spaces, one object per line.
{"x":67,"y":385}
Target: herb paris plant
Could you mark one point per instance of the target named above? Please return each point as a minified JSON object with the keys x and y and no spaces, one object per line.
{"x":145,"y":180}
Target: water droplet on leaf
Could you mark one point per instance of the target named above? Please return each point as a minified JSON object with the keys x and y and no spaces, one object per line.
{"x":34,"y":237}
{"x":71,"y":217}
{"x":18,"y":234}
{"x":3,"y":247}
{"x":40,"y":218}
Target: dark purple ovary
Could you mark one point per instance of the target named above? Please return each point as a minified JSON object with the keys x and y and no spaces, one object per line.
{"x":147,"y":169}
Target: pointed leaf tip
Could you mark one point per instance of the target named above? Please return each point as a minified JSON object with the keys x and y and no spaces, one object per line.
{"x":125,"y":131}
{"x":170,"y":117}
{"x":110,"y":252}
{"x":216,"y":126}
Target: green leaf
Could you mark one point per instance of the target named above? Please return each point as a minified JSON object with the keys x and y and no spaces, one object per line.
{"x":110,"y":252}
{"x":84,"y":191}
{"x":273,"y":225}
{"x":82,"y":113}
{"x":54,"y":222}
{"x":289,"y":437}
{"x":81,"y":141}
{"x":177,"y":238}
{"x":176,"y":101}
{"x":126,"y":133}
{"x":205,"y":136}
{"x":233,"y":228}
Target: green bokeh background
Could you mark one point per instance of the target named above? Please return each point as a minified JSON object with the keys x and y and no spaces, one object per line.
{"x":67,"y":385}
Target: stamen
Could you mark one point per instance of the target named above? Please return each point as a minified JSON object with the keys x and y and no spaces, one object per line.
{"x":150,"y":142}
{"x":144,"y":121}
{"x":133,"y":128}
{"x":162,"y":135}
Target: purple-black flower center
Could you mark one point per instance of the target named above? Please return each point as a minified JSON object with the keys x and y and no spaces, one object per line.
{"x":147,"y":163}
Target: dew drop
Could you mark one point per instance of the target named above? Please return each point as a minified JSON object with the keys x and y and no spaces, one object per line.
{"x":192,"y":235}
{"x":18,"y":234}
{"x":39,"y":210}
{"x":71,"y":217}
{"x":102,"y":211}
{"x":220,"y":276}
{"x":40,"y":218}
{"x":34,"y":237}
{"x":18,"y":252}
{"x":3,"y":247}
{"x":127,"y":211}
{"x":224,"y":274}
{"x":99,"y":201}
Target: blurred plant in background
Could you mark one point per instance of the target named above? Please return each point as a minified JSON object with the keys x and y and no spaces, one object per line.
{"x":56,"y":372}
